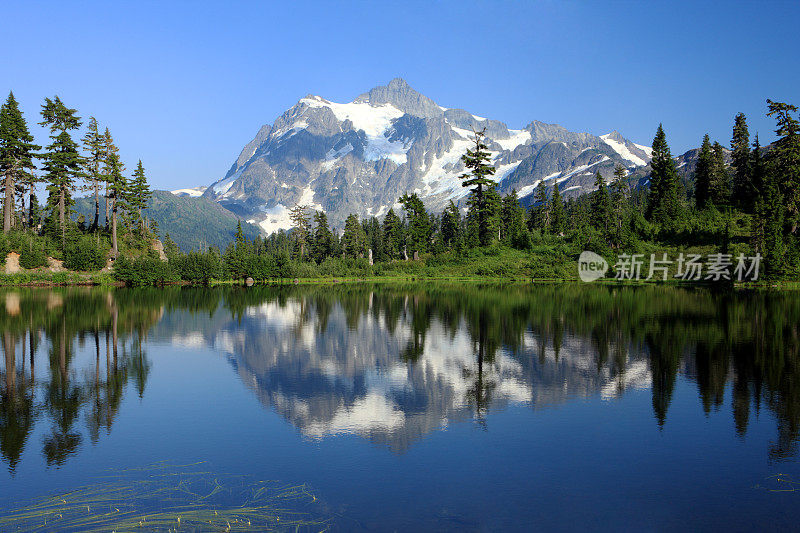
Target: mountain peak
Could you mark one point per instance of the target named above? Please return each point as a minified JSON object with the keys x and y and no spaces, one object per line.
{"x":402,"y":96}
{"x":399,"y":84}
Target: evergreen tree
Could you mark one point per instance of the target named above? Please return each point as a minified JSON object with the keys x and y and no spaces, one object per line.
{"x":392,"y":235}
{"x":354,"y":239}
{"x":62,"y":162}
{"x":301,"y":228}
{"x":601,"y":205}
{"x":620,"y":197}
{"x":236,"y":256}
{"x":323,"y":238}
{"x":743,"y":190}
{"x":512,"y":217}
{"x":372,"y":228}
{"x":784,"y":160}
{"x":757,"y":170}
{"x":116,"y":187}
{"x":720,"y":190}
{"x":557,"y":215}
{"x":451,"y":225}
{"x":419,"y":224}
{"x":171,"y":249}
{"x":138,"y":195}
{"x":94,"y":145}
{"x":16,"y":155}
{"x":34,"y":211}
{"x":663,"y":203}
{"x":493,"y":204}
{"x":478,"y":177}
{"x":769,"y":230}
{"x":540,"y":211}
{"x":702,"y":174}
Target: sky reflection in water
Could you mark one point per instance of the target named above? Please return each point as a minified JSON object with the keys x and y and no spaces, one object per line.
{"x":435,"y":407}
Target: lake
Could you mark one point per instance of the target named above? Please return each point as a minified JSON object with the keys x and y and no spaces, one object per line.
{"x":399,"y":407}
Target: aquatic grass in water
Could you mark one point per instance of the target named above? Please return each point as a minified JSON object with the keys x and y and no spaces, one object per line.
{"x":173,"y":499}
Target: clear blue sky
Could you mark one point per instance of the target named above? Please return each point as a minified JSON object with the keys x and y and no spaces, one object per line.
{"x":184,"y":85}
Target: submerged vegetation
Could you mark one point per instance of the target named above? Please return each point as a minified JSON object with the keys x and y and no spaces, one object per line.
{"x":167,"y":498}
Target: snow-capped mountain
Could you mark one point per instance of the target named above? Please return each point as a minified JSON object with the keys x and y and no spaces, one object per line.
{"x":359,"y":157}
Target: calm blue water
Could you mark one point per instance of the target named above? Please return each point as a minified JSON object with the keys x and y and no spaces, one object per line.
{"x":419,"y":408}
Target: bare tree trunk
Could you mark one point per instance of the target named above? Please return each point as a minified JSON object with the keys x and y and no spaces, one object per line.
{"x":8,"y":205}
{"x":96,"y":205}
{"x":61,"y":214}
{"x":106,"y":202}
{"x":30,"y":208}
{"x":114,"y":249}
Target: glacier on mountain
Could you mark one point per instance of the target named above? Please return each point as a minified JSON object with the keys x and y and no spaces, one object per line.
{"x":359,"y":157}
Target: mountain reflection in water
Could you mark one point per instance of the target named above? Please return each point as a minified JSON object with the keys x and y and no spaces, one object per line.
{"x":394,"y":363}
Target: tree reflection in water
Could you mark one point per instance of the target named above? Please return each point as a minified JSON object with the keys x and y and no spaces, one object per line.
{"x":393,"y":363}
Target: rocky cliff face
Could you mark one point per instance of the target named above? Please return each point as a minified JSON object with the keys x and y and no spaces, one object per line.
{"x":361,"y":156}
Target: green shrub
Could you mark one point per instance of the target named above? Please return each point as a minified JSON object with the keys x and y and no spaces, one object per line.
{"x":85,"y":253}
{"x":198,"y":267}
{"x":32,"y":256}
{"x":144,"y":271}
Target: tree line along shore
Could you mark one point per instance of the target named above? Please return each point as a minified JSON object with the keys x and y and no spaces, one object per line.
{"x":742,"y":201}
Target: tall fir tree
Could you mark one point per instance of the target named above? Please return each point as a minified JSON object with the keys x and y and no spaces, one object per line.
{"x":540,"y":211}
{"x":392,"y":235}
{"x":743,"y":190}
{"x":620,"y":200}
{"x":94,"y":145}
{"x":138,"y":195}
{"x":720,"y":190}
{"x":451,"y":225}
{"x":419,"y":223}
{"x":757,"y":169}
{"x":558,"y":217}
{"x":354,"y":238}
{"x":769,"y":227}
{"x":62,"y":162}
{"x":372,"y":228}
{"x":663,"y":203}
{"x":512,"y":217}
{"x":301,"y":228}
{"x":17,"y":153}
{"x":116,"y":187}
{"x":702,"y":174}
{"x":479,"y":178}
{"x":323,"y":238}
{"x":601,"y":206}
{"x":784,"y":160}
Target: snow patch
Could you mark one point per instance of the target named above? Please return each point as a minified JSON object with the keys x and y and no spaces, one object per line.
{"x":503,"y":171}
{"x":623,"y":151}
{"x":374,"y":120}
{"x":518,"y":137}
{"x":193,"y":192}
{"x":646,"y":149}
{"x":277,"y":217}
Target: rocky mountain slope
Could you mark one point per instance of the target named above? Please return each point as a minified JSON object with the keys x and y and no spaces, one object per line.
{"x":359,"y":157}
